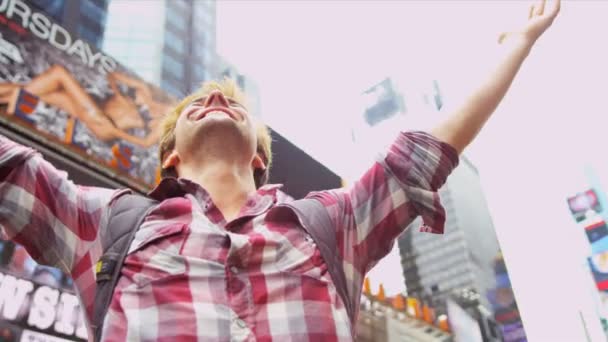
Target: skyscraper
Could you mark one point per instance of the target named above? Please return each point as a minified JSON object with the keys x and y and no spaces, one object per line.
{"x":172,"y":43}
{"x":86,"y":18}
{"x":434,"y":266}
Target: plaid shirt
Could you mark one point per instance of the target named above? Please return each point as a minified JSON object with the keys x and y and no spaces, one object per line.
{"x":190,"y":275}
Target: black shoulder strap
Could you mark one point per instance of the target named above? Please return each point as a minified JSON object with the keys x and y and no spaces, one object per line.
{"x":125,"y":216}
{"x":315,"y":219}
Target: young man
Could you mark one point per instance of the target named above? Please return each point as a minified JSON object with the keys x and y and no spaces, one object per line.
{"x":210,"y":262}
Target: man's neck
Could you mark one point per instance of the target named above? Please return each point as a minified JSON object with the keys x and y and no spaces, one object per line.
{"x":228,"y":185}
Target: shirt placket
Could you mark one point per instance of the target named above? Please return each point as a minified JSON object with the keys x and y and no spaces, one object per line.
{"x":238,"y":291}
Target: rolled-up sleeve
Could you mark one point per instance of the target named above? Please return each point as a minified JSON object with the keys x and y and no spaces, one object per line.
{"x":421,"y":164}
{"x":54,"y":219}
{"x":400,"y":186}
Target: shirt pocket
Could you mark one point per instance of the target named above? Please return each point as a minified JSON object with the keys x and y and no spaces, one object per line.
{"x":155,"y":254}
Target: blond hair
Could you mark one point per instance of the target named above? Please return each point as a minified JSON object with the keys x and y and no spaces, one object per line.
{"x":230,"y":90}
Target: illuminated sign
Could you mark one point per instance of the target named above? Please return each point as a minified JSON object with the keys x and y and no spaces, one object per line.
{"x":582,"y":203}
{"x":60,"y":91}
{"x":38,"y":312}
{"x":42,"y":27}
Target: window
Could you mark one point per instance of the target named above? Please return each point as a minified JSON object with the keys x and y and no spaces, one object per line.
{"x":90,"y":36}
{"x":173,"y":67}
{"x":199,"y":73}
{"x":172,"y":89}
{"x":101,"y":3}
{"x":92,"y":26}
{"x":203,"y":13}
{"x":54,"y":8}
{"x":174,"y":42}
{"x":177,"y":20}
{"x":92,"y":11}
{"x":181,"y":5}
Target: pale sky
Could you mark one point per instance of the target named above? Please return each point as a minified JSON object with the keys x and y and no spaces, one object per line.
{"x":312,"y":59}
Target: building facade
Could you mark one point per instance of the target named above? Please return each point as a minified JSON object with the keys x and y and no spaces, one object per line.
{"x":86,"y":18}
{"x":171,"y":44}
{"x":434,"y":266}
{"x":379,"y":321}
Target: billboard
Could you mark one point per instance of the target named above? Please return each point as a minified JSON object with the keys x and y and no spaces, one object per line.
{"x":504,"y":305}
{"x":583,"y":202}
{"x":61,"y":91}
{"x":596,"y":231}
{"x":599,"y":268}
{"x":464,"y":327}
{"x":37,"y":303}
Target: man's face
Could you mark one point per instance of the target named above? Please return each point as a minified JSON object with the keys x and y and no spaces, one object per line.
{"x":215,"y":126}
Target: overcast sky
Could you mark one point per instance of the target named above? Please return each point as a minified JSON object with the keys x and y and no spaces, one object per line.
{"x":312,"y":59}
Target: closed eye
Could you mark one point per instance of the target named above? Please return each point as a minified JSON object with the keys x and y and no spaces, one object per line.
{"x":201,"y":102}
{"x":235,"y":103}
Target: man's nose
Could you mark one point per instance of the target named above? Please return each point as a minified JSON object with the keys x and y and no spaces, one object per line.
{"x":216,"y":98}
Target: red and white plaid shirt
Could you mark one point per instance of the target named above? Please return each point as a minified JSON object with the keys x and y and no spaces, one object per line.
{"x":192,"y":276}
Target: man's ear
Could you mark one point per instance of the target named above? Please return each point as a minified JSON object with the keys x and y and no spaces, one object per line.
{"x":258,"y":163}
{"x":172,"y":160}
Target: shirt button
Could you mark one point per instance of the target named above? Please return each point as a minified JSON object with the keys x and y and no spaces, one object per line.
{"x":241,"y":324}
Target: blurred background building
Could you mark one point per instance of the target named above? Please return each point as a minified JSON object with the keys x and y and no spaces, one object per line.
{"x":453,"y":274}
{"x":589,"y":210}
{"x":463,"y":258}
{"x":226,"y":69}
{"x":398,"y":318}
{"x":170,"y":43}
{"x":85,"y":18}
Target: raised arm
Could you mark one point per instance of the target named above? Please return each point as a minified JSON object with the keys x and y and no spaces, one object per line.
{"x":54,"y":219}
{"x":466,"y":121}
{"x":372,"y":212}
{"x":403,"y":184}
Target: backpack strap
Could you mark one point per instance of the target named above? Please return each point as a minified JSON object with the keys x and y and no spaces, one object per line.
{"x":315,"y":219}
{"x":125,"y":216}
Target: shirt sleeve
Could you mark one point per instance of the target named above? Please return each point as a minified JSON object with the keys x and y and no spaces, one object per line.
{"x":401,"y":185}
{"x":54,"y":219}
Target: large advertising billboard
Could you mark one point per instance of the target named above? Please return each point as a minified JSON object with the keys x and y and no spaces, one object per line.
{"x":37,"y":303}
{"x":63,"y":92}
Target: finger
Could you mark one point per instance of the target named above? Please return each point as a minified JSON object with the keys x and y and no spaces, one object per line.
{"x":556,"y":7}
{"x":541,"y":8}
{"x":531,"y":13}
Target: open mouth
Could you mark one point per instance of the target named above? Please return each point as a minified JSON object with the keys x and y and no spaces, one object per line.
{"x":213,"y":112}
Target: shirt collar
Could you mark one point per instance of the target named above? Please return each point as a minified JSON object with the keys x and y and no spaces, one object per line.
{"x":178,"y":187}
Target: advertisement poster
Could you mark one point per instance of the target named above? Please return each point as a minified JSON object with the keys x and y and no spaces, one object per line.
{"x":59,"y":89}
{"x":37,"y":303}
{"x":599,"y":268}
{"x":504,"y":305}
{"x":582,"y":203}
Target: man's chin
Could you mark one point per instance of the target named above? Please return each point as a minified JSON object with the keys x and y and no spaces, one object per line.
{"x":218,"y":122}
{"x":226,"y":131}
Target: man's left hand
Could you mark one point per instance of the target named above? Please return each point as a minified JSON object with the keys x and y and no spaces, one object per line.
{"x":540,"y":17}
